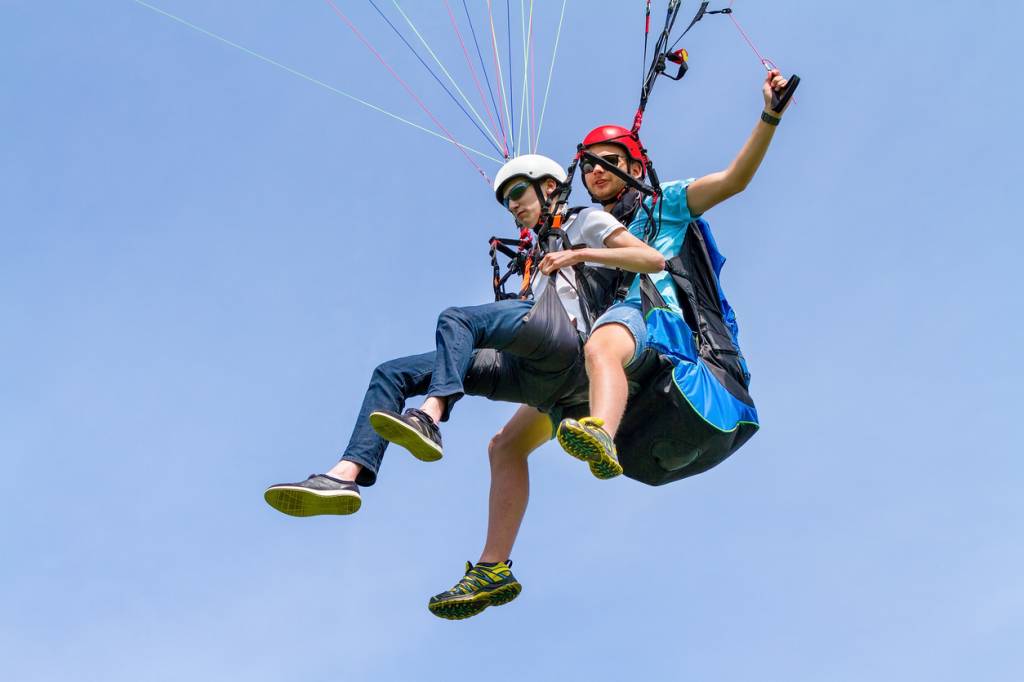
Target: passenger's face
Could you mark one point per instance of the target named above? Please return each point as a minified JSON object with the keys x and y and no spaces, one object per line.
{"x":522,"y":201}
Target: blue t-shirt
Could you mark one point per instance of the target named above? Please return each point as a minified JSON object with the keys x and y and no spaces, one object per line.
{"x":673,"y":214}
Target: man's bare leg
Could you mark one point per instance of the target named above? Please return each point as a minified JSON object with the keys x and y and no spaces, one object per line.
{"x":592,"y":439}
{"x":608,"y":351}
{"x":434,"y":407}
{"x":508,"y":450}
{"x":345,"y":470}
{"x":490,"y":582}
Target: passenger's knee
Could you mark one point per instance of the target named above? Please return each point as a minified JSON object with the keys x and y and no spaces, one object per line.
{"x":385,"y":369}
{"x":501,"y":450}
{"x":449,"y":316}
{"x":495,"y":447}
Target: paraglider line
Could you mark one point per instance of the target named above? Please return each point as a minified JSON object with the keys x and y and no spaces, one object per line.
{"x":472,"y":71}
{"x":523,"y":111}
{"x":431,"y":72}
{"x":533,"y":84}
{"x":487,"y":79}
{"x":551,"y":70}
{"x":501,"y":82}
{"x":765,"y":62}
{"x":448,"y":75}
{"x":647,"y":39}
{"x":511,"y":76}
{"x":305,"y":77}
{"x":408,"y":89}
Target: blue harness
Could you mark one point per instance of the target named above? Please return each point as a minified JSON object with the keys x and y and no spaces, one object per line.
{"x":692,"y":409}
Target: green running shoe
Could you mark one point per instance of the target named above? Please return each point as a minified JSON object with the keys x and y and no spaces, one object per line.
{"x":586,"y":439}
{"x":482,"y":586}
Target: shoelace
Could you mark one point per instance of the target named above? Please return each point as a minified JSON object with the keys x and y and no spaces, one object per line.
{"x":476,"y":578}
{"x":596,"y":427}
{"x":424,"y":419}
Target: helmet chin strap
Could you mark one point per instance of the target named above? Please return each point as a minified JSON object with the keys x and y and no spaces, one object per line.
{"x":544,"y":199}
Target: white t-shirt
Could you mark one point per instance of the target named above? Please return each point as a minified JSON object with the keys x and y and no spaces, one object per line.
{"x":591,"y":227}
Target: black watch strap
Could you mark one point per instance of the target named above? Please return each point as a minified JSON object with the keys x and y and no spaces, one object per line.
{"x":769,"y":119}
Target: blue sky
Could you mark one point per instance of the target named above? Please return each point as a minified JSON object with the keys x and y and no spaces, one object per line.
{"x":203,"y":257}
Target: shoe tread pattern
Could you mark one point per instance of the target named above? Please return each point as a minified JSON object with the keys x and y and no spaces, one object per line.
{"x":467,"y":606}
{"x":396,"y":431}
{"x":582,"y":445}
{"x":301,"y":502}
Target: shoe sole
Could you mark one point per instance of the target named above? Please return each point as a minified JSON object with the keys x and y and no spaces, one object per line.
{"x":398,"y":432}
{"x":296,"y":501}
{"x":583,"y":446}
{"x":460,"y":609}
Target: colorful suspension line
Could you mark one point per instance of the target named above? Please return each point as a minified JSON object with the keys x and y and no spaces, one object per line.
{"x":408,"y":90}
{"x":501,"y":82}
{"x":511,"y":74}
{"x":476,"y":81}
{"x":551,"y":70}
{"x":306,"y":77}
{"x":483,"y":69}
{"x":523,"y":111}
{"x":401,"y":37}
{"x":444,"y":70}
{"x":533,"y":84}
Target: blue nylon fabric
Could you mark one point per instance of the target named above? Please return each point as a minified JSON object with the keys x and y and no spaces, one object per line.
{"x":667,"y":330}
{"x":669,"y":334}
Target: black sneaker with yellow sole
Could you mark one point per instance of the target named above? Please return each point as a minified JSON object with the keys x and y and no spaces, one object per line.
{"x":318,"y":494}
{"x":415,"y":431}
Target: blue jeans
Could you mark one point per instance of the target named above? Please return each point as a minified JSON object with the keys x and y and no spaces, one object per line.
{"x":482,"y":351}
{"x":631,"y":317}
{"x":460,"y":331}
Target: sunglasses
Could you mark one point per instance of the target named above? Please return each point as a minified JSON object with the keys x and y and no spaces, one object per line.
{"x":515,"y":192}
{"x":613,"y":159}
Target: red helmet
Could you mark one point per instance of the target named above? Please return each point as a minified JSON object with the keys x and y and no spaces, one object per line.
{"x":610,"y":134}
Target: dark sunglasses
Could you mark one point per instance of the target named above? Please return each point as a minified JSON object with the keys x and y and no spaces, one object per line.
{"x":613,"y":159}
{"x":515,"y":192}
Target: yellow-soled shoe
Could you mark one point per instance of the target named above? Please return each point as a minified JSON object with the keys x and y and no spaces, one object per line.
{"x":483,"y":585}
{"x":586,"y":439}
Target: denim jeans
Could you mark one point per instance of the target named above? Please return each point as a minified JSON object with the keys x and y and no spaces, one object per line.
{"x":631,"y":317}
{"x":460,"y":331}
{"x":480,"y":351}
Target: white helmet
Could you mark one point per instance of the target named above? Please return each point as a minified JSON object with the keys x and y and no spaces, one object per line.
{"x":532,"y":166}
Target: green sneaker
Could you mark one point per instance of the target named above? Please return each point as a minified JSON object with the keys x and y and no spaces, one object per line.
{"x":482,"y":586}
{"x":586,"y":439}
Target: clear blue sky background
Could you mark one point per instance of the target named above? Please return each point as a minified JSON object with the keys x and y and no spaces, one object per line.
{"x":203,"y":257}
